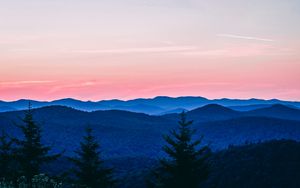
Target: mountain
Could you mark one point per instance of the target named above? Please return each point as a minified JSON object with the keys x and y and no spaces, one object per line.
{"x":123,"y":133}
{"x":157,"y":105}
{"x":120,"y":132}
{"x":212,"y":112}
{"x":215,"y":112}
{"x":6,"y":109}
{"x":253,"y":101}
{"x":23,"y":104}
{"x":80,"y":105}
{"x":277,"y":111}
{"x":140,"y":108}
{"x":243,"y":130}
{"x":173,"y":111}
{"x":249,"y":107}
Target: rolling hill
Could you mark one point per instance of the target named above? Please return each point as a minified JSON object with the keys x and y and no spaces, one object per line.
{"x":277,"y":111}
{"x":123,"y":133}
{"x":215,"y":112}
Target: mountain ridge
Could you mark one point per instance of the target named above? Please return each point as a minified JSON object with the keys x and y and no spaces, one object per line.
{"x":157,"y":105}
{"x":124,"y":133}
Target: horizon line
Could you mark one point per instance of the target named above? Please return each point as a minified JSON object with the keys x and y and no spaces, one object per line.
{"x":147,"y":98}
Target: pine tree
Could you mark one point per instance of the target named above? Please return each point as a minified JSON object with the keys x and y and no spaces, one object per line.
{"x":186,"y":164}
{"x":89,"y":170}
{"x":7,"y":170}
{"x":31,"y":153}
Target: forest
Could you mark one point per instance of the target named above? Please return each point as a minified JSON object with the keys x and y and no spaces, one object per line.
{"x":185,"y":161}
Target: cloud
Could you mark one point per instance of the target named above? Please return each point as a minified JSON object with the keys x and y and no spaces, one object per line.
{"x":78,"y":85}
{"x":245,"y":37}
{"x":27,"y":82}
{"x":249,"y":50}
{"x":139,"y":50}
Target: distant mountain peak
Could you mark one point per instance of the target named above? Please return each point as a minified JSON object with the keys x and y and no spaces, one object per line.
{"x":181,"y":97}
{"x":215,"y":106}
{"x":282,"y":107}
{"x":67,"y":99}
{"x":24,"y":100}
{"x":277,"y":107}
{"x":59,"y":109}
{"x":278,"y":111}
{"x":162,"y":97}
{"x":212,"y":108}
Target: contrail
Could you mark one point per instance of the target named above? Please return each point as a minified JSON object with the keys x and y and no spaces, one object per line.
{"x":244,"y":37}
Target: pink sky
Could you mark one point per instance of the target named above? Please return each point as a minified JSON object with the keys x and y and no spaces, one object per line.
{"x":126,"y":49}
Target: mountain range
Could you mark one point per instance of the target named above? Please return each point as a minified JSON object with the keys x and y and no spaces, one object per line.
{"x":131,"y":134}
{"x":153,"y":106}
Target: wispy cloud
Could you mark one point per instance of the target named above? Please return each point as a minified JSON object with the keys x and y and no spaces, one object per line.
{"x":245,"y":37}
{"x":249,"y":50}
{"x":27,"y":82}
{"x":77,"y":85}
{"x":138,"y":50}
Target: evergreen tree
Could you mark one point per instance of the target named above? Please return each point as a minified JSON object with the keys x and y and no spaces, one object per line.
{"x":31,"y":153}
{"x":186,"y":165}
{"x":7,"y":170}
{"x":89,"y":170}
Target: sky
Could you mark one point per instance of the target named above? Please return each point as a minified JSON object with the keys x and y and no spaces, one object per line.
{"x":125,"y":49}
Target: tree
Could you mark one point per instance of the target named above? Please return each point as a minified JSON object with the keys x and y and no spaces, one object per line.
{"x":89,"y":170}
{"x":186,"y":164}
{"x":7,"y":170}
{"x":31,"y":153}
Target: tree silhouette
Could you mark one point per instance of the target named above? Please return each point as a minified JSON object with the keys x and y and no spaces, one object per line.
{"x":7,"y":170}
{"x":31,"y":153}
{"x":186,"y":164}
{"x":89,"y":170}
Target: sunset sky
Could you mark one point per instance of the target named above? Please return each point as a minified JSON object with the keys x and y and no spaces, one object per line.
{"x":104,"y":49}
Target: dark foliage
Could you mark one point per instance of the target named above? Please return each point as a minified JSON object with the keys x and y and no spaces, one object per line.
{"x":273,"y":164}
{"x":7,"y":167}
{"x":262,"y":165}
{"x":90,"y":170}
{"x":31,"y":154}
{"x":186,"y":165}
